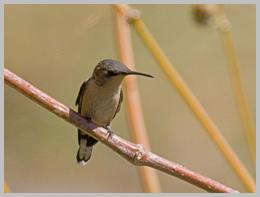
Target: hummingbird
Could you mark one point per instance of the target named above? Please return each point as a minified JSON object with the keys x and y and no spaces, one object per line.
{"x":99,"y":100}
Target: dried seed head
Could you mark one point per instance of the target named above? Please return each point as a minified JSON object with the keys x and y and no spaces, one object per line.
{"x":211,"y":14}
{"x":204,"y":13}
{"x":133,"y":14}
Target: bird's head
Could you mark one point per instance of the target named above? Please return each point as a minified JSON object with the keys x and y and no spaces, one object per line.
{"x":112,"y":70}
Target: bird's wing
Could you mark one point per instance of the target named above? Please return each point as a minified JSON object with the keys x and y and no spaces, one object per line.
{"x":85,"y":141}
{"x":79,"y":100}
{"x":119,"y":103}
{"x":80,"y":94}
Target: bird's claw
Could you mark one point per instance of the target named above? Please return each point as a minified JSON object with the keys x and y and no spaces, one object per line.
{"x":109,"y":132}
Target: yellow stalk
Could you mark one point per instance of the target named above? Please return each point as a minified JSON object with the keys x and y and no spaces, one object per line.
{"x":246,"y":116}
{"x":6,"y":188}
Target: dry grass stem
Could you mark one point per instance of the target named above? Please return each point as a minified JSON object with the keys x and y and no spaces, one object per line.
{"x":212,"y":14}
{"x":149,"y":177}
{"x":240,"y":95}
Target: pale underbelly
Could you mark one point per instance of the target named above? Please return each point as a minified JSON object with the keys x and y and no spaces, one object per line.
{"x":101,"y":111}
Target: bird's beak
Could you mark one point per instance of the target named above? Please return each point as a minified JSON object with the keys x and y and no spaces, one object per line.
{"x":138,"y":73}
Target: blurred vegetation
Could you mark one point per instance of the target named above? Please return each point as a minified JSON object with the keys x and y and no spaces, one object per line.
{"x":55,"y":47}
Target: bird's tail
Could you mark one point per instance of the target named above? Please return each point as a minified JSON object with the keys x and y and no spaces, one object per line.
{"x":84,"y":152}
{"x":86,"y":144}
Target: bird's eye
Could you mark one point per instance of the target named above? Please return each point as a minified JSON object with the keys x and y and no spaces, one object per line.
{"x":111,"y":73}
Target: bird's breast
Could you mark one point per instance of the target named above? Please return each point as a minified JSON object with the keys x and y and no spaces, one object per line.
{"x":100,"y":105}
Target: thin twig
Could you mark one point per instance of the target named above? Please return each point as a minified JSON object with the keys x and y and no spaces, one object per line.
{"x":134,"y":153}
{"x":148,"y":175}
{"x":199,"y":111}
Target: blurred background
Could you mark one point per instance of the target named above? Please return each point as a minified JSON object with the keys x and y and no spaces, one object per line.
{"x":55,"y":47}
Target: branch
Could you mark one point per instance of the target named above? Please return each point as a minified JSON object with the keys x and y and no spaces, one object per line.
{"x":134,"y":153}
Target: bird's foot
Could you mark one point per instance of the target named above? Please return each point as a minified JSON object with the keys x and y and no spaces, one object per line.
{"x":109,"y":132}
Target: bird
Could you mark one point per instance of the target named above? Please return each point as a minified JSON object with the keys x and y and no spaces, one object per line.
{"x":99,"y":100}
